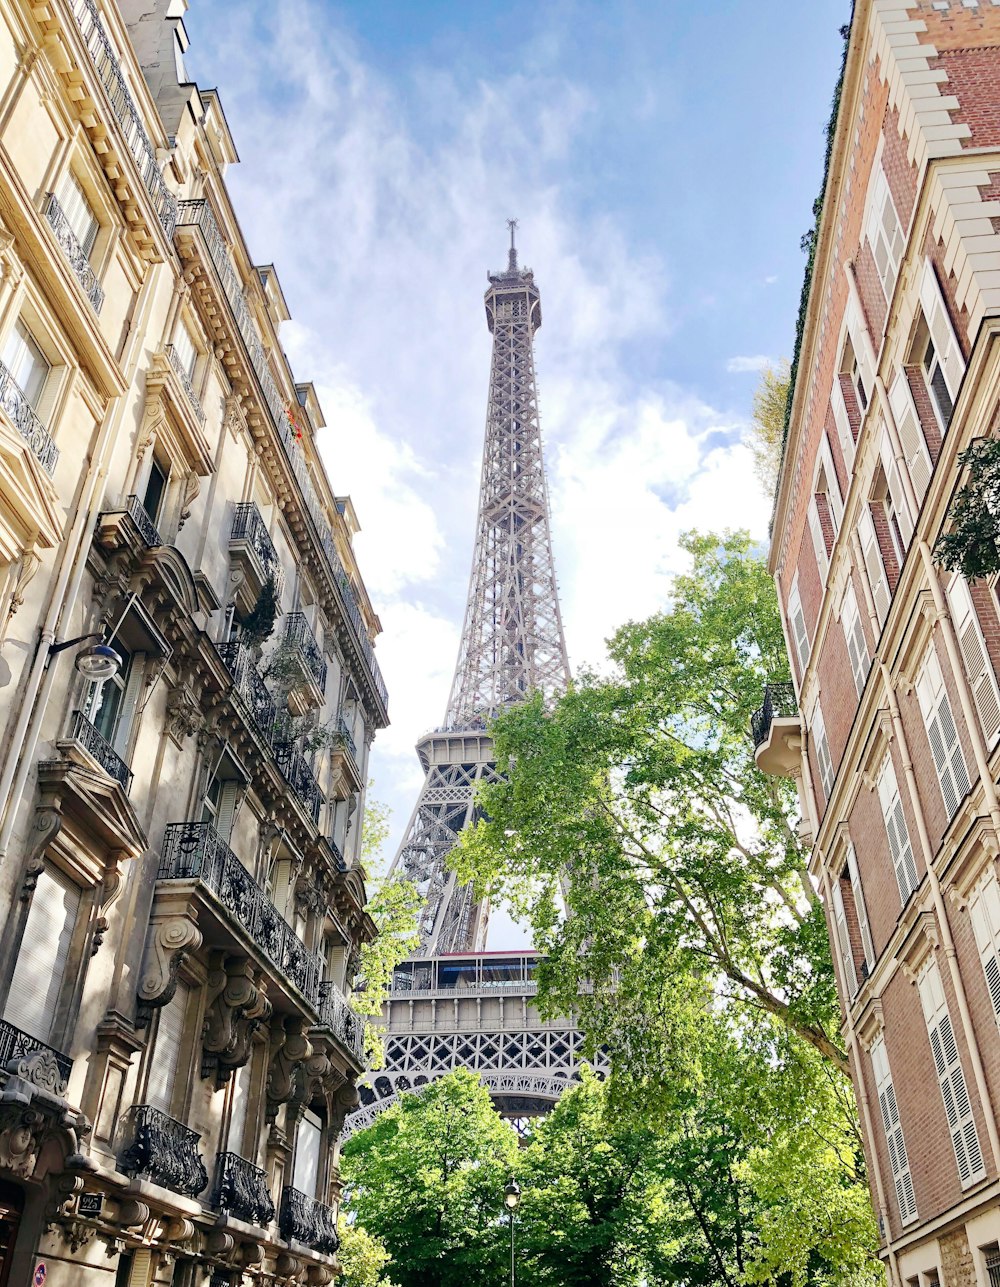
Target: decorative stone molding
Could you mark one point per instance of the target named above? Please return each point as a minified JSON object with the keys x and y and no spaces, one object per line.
{"x":34,"y":1113}
{"x":172,"y":934}
{"x":237,"y":1005}
{"x":291,"y":1052}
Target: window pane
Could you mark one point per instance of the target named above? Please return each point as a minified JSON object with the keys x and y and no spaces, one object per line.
{"x":43,"y":955}
{"x":155,"y":487}
{"x":305,"y":1175}
{"x":26,"y":362}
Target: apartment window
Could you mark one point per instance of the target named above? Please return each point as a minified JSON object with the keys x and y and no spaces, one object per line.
{"x":184,"y":348}
{"x":826,"y":509}
{"x":844,"y":939}
{"x":896,"y":831}
{"x":219,"y":805}
{"x":27,"y":364}
{"x":43,"y":956}
{"x":885,"y":233}
{"x":308,"y":1138}
{"x":797,"y":625}
{"x":112,"y":704}
{"x":984,"y":912}
{"x":918,"y":461}
{"x":853,"y":878}
{"x":78,"y":212}
{"x":951,"y":1079}
{"x":942,"y":733}
{"x":975,"y":657}
{"x":854,"y":635}
{"x":991,"y":1263}
{"x":842,"y":421}
{"x":155,"y":490}
{"x":241,"y":1089}
{"x":164,"y":1061}
{"x":817,"y":731}
{"x":874,"y":566}
{"x":893,"y":497}
{"x":895,"y":1144}
{"x":936,"y":348}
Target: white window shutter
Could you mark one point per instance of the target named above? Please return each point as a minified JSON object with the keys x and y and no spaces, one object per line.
{"x":984,"y":912}
{"x":854,"y":635}
{"x":818,"y":539}
{"x":896,"y":1145}
{"x":942,"y":733}
{"x":832,"y":485}
{"x":873,"y":564}
{"x":308,"y":1137}
{"x":797,"y":622}
{"x":885,"y":233}
{"x":897,"y":496}
{"x":918,"y":460}
{"x":228,"y":798}
{"x":817,"y":731}
{"x":861,"y":342}
{"x":129,"y":704}
{"x":842,"y":421}
{"x":43,"y":956}
{"x":942,"y":332}
{"x":844,"y":938}
{"x":896,"y":831}
{"x":859,"y":905}
{"x":951,"y":1078}
{"x":165,"y":1058}
{"x":975,"y":657}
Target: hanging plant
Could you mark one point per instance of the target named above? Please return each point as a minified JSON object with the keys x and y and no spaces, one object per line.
{"x":258,"y":626}
{"x":971,"y":543}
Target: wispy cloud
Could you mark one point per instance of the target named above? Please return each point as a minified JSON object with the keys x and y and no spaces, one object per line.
{"x":740,"y":365}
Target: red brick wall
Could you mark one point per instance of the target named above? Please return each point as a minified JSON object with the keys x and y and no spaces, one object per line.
{"x":972,"y":79}
{"x":934,"y":250}
{"x":900,"y":173}
{"x":878,"y":880}
{"x":873,"y":302}
{"x":925,"y":411}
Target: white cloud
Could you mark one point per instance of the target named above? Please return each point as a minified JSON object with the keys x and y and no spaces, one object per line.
{"x":737,"y":365}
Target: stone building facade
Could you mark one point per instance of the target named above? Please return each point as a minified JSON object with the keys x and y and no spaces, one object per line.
{"x":182,"y":900}
{"x":893,"y":728}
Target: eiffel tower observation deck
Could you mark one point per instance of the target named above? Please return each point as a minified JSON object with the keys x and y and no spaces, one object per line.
{"x":454,"y":1005}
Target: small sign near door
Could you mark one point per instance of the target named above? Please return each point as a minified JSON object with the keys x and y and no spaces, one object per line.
{"x":41,"y":1273}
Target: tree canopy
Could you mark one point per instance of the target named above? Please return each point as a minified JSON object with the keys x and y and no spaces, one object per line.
{"x":770,"y":401}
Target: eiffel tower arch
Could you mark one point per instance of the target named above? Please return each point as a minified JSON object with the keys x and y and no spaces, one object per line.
{"x":454,"y":1005}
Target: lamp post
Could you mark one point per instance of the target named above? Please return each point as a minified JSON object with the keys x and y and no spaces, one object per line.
{"x":511,"y":1197}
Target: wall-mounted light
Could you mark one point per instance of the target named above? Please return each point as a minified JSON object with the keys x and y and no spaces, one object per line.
{"x":99,"y":661}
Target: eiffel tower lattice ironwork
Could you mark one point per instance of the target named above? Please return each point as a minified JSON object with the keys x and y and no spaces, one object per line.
{"x":455,"y":1005}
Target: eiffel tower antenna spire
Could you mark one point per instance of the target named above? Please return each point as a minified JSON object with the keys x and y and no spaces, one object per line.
{"x":512,"y":254}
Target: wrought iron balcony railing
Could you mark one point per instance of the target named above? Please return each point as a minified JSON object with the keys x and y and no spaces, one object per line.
{"x":162,"y":1150}
{"x":82,"y":731}
{"x":15,"y":1044}
{"x":15,"y":402}
{"x":305,"y":1220}
{"x":199,"y":214}
{"x":173,"y":357}
{"x":299,"y":634}
{"x":147,"y":528}
{"x":250,"y":685}
{"x":296,"y":771}
{"x":779,"y":702}
{"x":74,"y":252}
{"x":338,"y":854}
{"x":346,"y":738}
{"x":240,"y":1190}
{"x":346,"y":1024}
{"x":195,"y":851}
{"x":249,"y":527}
{"x":123,"y":106}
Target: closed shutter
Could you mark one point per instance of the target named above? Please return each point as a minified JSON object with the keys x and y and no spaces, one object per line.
{"x":817,"y":730}
{"x":797,"y":622}
{"x":897,"y":497}
{"x":818,"y":539}
{"x":942,"y":733}
{"x":951,"y":1078}
{"x":78,"y":212}
{"x":895,"y":1143}
{"x":834,"y":500}
{"x":975,"y":658}
{"x":946,"y":347}
{"x":854,"y":635}
{"x":896,"y":831}
{"x":844,"y":938}
{"x":129,"y":704}
{"x":308,"y":1137}
{"x":165,"y":1059}
{"x":857,"y":328}
{"x":859,"y":905}
{"x":281,"y":880}
{"x":918,"y":460}
{"x":43,"y":956}
{"x":873,"y":564}
{"x":228,"y":798}
{"x":885,"y":233}
{"x":242,"y":1083}
{"x":984,"y":912}
{"x":842,"y":421}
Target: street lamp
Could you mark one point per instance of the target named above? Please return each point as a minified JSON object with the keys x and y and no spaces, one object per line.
{"x":511,"y":1197}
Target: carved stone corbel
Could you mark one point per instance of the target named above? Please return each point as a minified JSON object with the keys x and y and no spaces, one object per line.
{"x":172,"y":934}
{"x":292,"y":1050}
{"x":184,"y":714}
{"x":346,"y":1098}
{"x":44,"y":829}
{"x":237,"y":1005}
{"x":190,"y":494}
{"x":28,"y":566}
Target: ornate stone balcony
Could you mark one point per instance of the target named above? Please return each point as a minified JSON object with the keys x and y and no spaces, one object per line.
{"x":177,"y":366}
{"x":123,"y":106}
{"x":347,"y":778}
{"x":296,"y":771}
{"x":22,"y":415}
{"x":344,"y":1023}
{"x":250,"y":686}
{"x":83,"y":732}
{"x":777,"y":731}
{"x":163,"y":1150}
{"x":305,"y":1220}
{"x":74,"y":252}
{"x":240,"y":1190}
{"x":128,"y":528}
{"x":193,"y":851}
{"x":253,"y":553}
{"x":15,"y":1044}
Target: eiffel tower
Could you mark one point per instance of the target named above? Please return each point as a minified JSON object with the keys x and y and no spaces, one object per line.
{"x":454,"y":1004}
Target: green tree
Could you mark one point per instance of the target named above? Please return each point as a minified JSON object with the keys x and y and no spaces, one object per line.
{"x":770,"y":400}
{"x":426,"y":1180}
{"x":362,"y":1257}
{"x":971,"y":542}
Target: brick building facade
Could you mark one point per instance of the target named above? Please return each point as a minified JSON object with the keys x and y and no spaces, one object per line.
{"x":894,"y":660}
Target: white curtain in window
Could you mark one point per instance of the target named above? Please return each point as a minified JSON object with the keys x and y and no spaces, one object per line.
{"x":305,"y":1173}
{"x":26,"y":362}
{"x":78,"y":211}
{"x":43,"y":956}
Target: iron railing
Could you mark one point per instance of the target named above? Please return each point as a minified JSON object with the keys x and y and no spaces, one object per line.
{"x":307,"y":1221}
{"x":338,"y":854}
{"x":179,"y":369}
{"x":147,"y":528}
{"x":249,"y":527}
{"x":162,"y":1150}
{"x":82,"y":731}
{"x":74,"y":252}
{"x":296,"y":771}
{"x":199,"y":214}
{"x":195,"y":851}
{"x":15,"y":1044}
{"x":240,"y":1190}
{"x":250,"y":685}
{"x":346,"y":1024}
{"x":346,"y":738}
{"x":779,"y":701}
{"x":15,"y":402}
{"x":299,"y":634}
{"x":109,"y":73}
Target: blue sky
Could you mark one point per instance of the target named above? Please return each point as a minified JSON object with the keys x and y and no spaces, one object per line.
{"x":662,"y":159}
